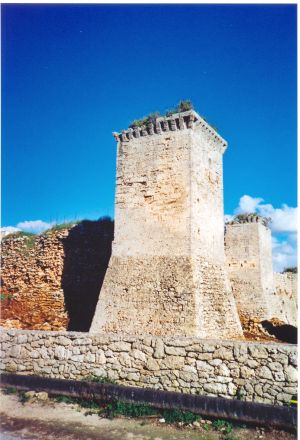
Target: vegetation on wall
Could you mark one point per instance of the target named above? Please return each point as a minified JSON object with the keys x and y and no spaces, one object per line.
{"x":291,"y":270}
{"x":182,"y":106}
{"x":240,"y":218}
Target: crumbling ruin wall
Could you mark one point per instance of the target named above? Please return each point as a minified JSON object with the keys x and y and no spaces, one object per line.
{"x":32,"y":296}
{"x":167,"y":271}
{"x":52,"y":281}
{"x":286,"y":292}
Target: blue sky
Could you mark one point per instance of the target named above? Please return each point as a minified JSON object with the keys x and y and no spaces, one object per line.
{"x":72,"y":74}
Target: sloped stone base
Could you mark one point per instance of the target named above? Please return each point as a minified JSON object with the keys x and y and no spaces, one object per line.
{"x":166,"y":296}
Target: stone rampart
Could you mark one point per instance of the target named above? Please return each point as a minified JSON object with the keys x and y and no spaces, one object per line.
{"x":249,"y":264}
{"x":286,"y":291}
{"x":250,"y":371}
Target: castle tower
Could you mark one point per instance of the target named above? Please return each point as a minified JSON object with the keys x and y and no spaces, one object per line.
{"x":248,"y":248}
{"x":167,"y":270}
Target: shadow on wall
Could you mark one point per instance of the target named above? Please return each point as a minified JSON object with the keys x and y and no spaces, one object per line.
{"x":87,"y":252}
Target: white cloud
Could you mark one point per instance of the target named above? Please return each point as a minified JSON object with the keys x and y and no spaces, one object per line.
{"x":35,"y":226}
{"x":247,"y":204}
{"x":284,"y":253}
{"x":8,"y":230}
{"x":283,"y":220}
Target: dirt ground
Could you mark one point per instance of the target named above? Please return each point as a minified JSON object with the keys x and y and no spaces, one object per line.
{"x":50,"y":420}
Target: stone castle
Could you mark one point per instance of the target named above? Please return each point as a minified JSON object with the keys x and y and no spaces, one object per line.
{"x":171,"y":295}
{"x":169,"y":273}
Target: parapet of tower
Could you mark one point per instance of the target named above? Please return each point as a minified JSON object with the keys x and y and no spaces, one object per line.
{"x":248,"y":248}
{"x":167,"y":271}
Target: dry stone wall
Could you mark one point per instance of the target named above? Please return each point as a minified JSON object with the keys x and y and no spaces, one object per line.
{"x":249,"y":371}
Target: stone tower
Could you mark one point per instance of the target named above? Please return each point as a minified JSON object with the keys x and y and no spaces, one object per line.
{"x":248,"y":247}
{"x":167,"y":270}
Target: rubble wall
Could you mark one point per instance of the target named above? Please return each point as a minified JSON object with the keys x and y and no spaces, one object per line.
{"x":261,"y":372}
{"x":52,"y":281}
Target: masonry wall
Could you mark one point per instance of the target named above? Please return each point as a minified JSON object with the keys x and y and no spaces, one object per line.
{"x":249,"y":264}
{"x":31,"y":282}
{"x":251,"y":371}
{"x":286,"y":292}
{"x":167,"y":274}
{"x":52,"y":281}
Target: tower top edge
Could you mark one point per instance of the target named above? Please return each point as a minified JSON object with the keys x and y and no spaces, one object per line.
{"x":175,"y":122}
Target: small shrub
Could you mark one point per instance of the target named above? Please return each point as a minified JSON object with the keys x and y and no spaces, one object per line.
{"x":146,"y":120}
{"x":291,"y":270}
{"x":182,"y":106}
{"x":6,"y":296}
{"x":10,"y":390}
{"x":239,"y":218}
{"x":185,"y":106}
{"x":30,"y":238}
{"x":23,"y":398}
{"x":65,"y":399}
{"x":222,"y":425}
{"x":62,"y":226}
{"x":175,"y":416}
{"x":128,"y":409}
{"x":18,"y":235}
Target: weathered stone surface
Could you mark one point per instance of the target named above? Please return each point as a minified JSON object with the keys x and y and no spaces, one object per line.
{"x":259,"y":293}
{"x":215,"y":388}
{"x":176,"y":351}
{"x":113,"y":356}
{"x":38,"y":273}
{"x":120,"y":346}
{"x":159,"y":349}
{"x":152,"y":365}
{"x":291,"y":373}
{"x":167,"y":273}
{"x":264,"y":372}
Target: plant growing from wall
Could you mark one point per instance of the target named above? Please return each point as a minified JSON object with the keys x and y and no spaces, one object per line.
{"x":241,"y":218}
{"x":29,"y":238}
{"x":291,"y":270}
{"x":181,"y":107}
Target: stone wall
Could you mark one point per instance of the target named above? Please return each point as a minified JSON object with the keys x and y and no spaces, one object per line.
{"x":251,"y":371}
{"x":249,"y":264}
{"x":286,"y":291}
{"x":52,"y":281}
{"x":167,"y":272}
